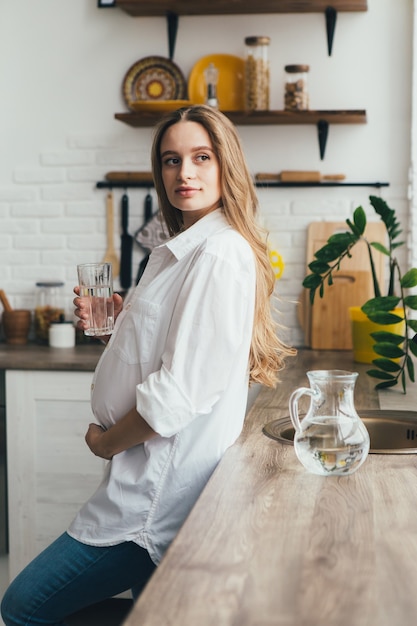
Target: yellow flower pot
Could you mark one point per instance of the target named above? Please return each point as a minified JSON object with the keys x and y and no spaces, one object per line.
{"x":362,"y":328}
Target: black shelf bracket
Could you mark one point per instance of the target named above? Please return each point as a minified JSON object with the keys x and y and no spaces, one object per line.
{"x":322,"y":131}
{"x":331,"y":15}
{"x":172,"y":24}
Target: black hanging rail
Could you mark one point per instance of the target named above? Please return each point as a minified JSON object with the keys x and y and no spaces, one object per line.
{"x":147,"y":185}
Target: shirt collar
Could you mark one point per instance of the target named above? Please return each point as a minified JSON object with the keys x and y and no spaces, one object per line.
{"x":186,"y":241}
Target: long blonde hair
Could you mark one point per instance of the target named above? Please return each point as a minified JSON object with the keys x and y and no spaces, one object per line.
{"x":240,"y":206}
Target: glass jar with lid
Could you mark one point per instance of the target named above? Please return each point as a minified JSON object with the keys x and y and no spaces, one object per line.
{"x":49,"y":307}
{"x":257,"y":75}
{"x":296,"y":88}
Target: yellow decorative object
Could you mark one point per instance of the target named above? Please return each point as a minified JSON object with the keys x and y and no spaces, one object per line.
{"x":277,"y":263}
{"x":362,"y":327}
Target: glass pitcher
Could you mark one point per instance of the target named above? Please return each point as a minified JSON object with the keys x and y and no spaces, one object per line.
{"x":331,"y":439}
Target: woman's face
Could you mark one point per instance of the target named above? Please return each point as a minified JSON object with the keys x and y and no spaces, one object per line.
{"x":190,"y":170}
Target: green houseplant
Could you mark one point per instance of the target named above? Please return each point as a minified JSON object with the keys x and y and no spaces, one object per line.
{"x":393,"y":352}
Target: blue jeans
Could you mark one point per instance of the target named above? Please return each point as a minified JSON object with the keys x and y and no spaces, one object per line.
{"x":69,"y":576}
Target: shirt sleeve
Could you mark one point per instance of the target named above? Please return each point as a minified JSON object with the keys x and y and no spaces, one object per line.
{"x":210,"y":334}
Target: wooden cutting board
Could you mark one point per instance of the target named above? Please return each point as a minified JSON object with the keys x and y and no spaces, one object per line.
{"x":326,"y":324}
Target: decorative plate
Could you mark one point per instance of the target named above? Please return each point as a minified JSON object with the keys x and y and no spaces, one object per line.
{"x":230,"y":86}
{"x":154,"y":78}
{"x":158,"y":105}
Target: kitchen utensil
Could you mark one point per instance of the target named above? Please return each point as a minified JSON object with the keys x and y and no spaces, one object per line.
{"x":147,"y":220}
{"x":331,"y":439}
{"x":298,"y":176}
{"x":230,"y":85}
{"x":16,"y":325}
{"x":139,"y":177}
{"x":326,"y":324}
{"x":110,"y":255}
{"x":126,"y":247}
{"x":154,"y":78}
{"x":6,"y":304}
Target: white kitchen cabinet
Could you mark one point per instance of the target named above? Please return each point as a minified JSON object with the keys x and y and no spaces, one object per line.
{"x":51,"y":471}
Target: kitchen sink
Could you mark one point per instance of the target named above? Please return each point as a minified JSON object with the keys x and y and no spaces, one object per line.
{"x":390,"y":432}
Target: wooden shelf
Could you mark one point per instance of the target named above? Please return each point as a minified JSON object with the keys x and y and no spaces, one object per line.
{"x":143,"y":8}
{"x":171,"y":9}
{"x":322,"y":119}
{"x":259,"y":118}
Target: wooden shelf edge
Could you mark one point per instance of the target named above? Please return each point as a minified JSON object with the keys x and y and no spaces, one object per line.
{"x":155,"y":8}
{"x":259,"y":118}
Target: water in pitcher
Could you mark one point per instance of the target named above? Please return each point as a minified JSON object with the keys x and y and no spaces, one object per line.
{"x":101,"y":309}
{"x":331,"y":439}
{"x":331,"y":445}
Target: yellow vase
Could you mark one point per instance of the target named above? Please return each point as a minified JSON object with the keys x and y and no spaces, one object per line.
{"x":362,"y":328}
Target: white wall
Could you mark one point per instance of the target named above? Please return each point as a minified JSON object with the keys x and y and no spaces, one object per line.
{"x":62,"y":65}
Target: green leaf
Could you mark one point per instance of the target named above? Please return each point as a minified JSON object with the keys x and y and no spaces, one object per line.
{"x":378,"y":246}
{"x":383,"y":303}
{"x":321,"y":290}
{"x":380,"y":375}
{"x":388,"y":350}
{"x":387,"y":365}
{"x":353,"y":228}
{"x":386,"y":384}
{"x":359,"y":219}
{"x":312,"y":294}
{"x":403,"y":381}
{"x":413,"y":347}
{"x":380,"y":317}
{"x":318,"y":267}
{"x":411,"y":302}
{"x":383,"y":336}
{"x":409,"y":279}
{"x":413,"y":325}
{"x":410,"y":368}
{"x":328,"y":253}
{"x":330,"y":280}
{"x":312,"y":281}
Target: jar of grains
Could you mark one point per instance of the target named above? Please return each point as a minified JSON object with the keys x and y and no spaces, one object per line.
{"x":48,"y":307}
{"x":257,"y":73}
{"x":296,"y":88}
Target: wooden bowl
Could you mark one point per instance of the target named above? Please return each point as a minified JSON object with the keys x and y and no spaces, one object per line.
{"x":16,"y":325}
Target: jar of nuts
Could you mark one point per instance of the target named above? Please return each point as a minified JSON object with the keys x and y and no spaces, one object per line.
{"x":296,"y":88}
{"x":257,"y":73}
{"x":48,"y":307}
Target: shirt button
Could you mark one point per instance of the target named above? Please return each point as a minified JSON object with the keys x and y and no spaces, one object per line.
{"x":127,"y":307}
{"x":92,"y":386}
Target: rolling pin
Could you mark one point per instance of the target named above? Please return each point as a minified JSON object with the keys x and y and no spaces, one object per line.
{"x":132,"y":177}
{"x":296,"y":176}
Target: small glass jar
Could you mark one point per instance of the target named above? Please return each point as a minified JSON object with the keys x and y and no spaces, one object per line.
{"x":296,"y":88}
{"x":48,"y":307}
{"x":257,"y":75}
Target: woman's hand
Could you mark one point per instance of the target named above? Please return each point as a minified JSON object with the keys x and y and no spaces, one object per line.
{"x":81,"y":308}
{"x":94,"y":441}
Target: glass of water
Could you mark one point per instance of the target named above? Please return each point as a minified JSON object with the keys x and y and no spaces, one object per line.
{"x":96,"y":288}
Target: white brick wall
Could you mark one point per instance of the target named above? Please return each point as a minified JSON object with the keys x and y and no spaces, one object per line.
{"x":64,"y":139}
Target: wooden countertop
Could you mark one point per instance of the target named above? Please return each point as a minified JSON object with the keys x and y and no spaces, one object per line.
{"x":269,"y":544}
{"x":83,"y":357}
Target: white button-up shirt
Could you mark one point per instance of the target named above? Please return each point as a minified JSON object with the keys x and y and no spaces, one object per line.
{"x":179,"y":353}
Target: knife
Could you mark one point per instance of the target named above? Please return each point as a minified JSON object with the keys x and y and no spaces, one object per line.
{"x":148,"y":217}
{"x":126,"y":247}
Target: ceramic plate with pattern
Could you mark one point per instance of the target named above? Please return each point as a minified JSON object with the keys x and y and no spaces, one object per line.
{"x":154,"y":78}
